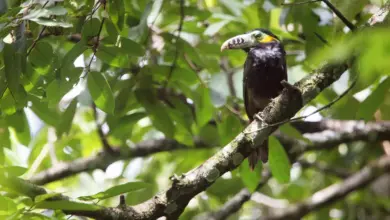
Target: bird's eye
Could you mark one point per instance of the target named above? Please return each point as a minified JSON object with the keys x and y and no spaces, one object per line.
{"x":257,"y":35}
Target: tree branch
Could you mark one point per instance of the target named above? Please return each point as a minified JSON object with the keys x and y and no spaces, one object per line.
{"x":348,"y":132}
{"x":236,"y":202}
{"x":103,"y":159}
{"x":324,"y":168}
{"x":336,"y":191}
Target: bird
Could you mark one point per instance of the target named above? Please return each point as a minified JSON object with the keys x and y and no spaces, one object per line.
{"x":264,"y":70}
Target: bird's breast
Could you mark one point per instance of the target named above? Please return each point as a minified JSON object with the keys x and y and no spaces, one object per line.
{"x":264,"y":76}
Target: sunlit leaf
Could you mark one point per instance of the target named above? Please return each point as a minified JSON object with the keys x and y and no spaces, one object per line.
{"x":7,"y":204}
{"x":18,"y":122}
{"x":13,"y":70}
{"x":66,"y":205}
{"x":278,"y":161}
{"x":131,"y":47}
{"x":13,"y":170}
{"x":41,"y":55}
{"x":117,"y":190}
{"x":368,"y":107}
{"x":113,"y":56}
{"x":67,"y":118}
{"x":157,"y":112}
{"x":250,"y":178}
{"x":203,"y":106}
{"x":51,"y":22}
{"x":101,"y":92}
{"x":215,"y":27}
{"x":90,"y":29}
{"x":292,"y":132}
{"x":44,"y":197}
{"x":73,"y":53}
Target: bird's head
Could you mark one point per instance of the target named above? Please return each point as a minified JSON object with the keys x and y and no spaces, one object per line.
{"x":250,"y":39}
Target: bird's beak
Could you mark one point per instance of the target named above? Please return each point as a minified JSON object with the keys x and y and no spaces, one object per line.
{"x":239,"y":42}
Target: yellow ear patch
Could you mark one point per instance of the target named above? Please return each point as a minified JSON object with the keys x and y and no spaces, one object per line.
{"x":267,"y":39}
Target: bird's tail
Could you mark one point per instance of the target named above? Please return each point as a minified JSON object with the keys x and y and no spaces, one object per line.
{"x":261,"y":153}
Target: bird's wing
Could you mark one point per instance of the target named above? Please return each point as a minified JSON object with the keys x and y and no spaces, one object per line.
{"x":245,"y":89}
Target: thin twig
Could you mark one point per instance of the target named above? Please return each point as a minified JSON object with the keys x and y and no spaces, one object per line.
{"x":340,"y":15}
{"x":97,"y":42}
{"x":180,"y":27}
{"x":332,"y":7}
{"x":322,"y":39}
{"x":39,"y":35}
{"x":106,"y":146}
{"x":335,"y":171}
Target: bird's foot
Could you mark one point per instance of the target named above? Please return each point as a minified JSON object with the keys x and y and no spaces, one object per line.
{"x":289,"y":86}
{"x":259,"y":117}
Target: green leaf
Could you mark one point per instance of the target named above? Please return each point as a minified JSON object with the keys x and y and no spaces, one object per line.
{"x":35,"y":216}
{"x":157,"y":112}
{"x":67,"y":118}
{"x":10,"y":13}
{"x":43,"y":112}
{"x":294,"y":133}
{"x":14,"y":170}
{"x":56,"y":90}
{"x":117,"y":190}
{"x":57,"y":10}
{"x":51,"y":22}
{"x":19,"y":123}
{"x":5,"y":31}
{"x":132,"y":47}
{"x":228,"y":128}
{"x":179,"y":74}
{"x":114,"y":56}
{"x":45,"y":12}
{"x":13,"y":70}
{"x":44,"y":197}
{"x":101,"y":92}
{"x":15,"y":215}
{"x":41,"y":55}
{"x":90,"y":29}
{"x":73,"y":53}
{"x":111,"y":31}
{"x":124,"y":125}
{"x":116,"y":10}
{"x":369,"y":106}
{"x":67,"y":205}
{"x":278,"y":161}
{"x":215,"y":28}
{"x":203,"y":106}
{"x":7,"y":204}
{"x":274,"y":18}
{"x":250,"y":178}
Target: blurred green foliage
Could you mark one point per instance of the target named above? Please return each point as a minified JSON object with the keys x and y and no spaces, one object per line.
{"x":148,"y":83}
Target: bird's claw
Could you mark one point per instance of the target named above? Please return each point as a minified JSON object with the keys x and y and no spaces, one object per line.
{"x":289,"y":86}
{"x":258,"y":117}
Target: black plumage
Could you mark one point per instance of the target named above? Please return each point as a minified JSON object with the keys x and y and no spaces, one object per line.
{"x":265,"y":68}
